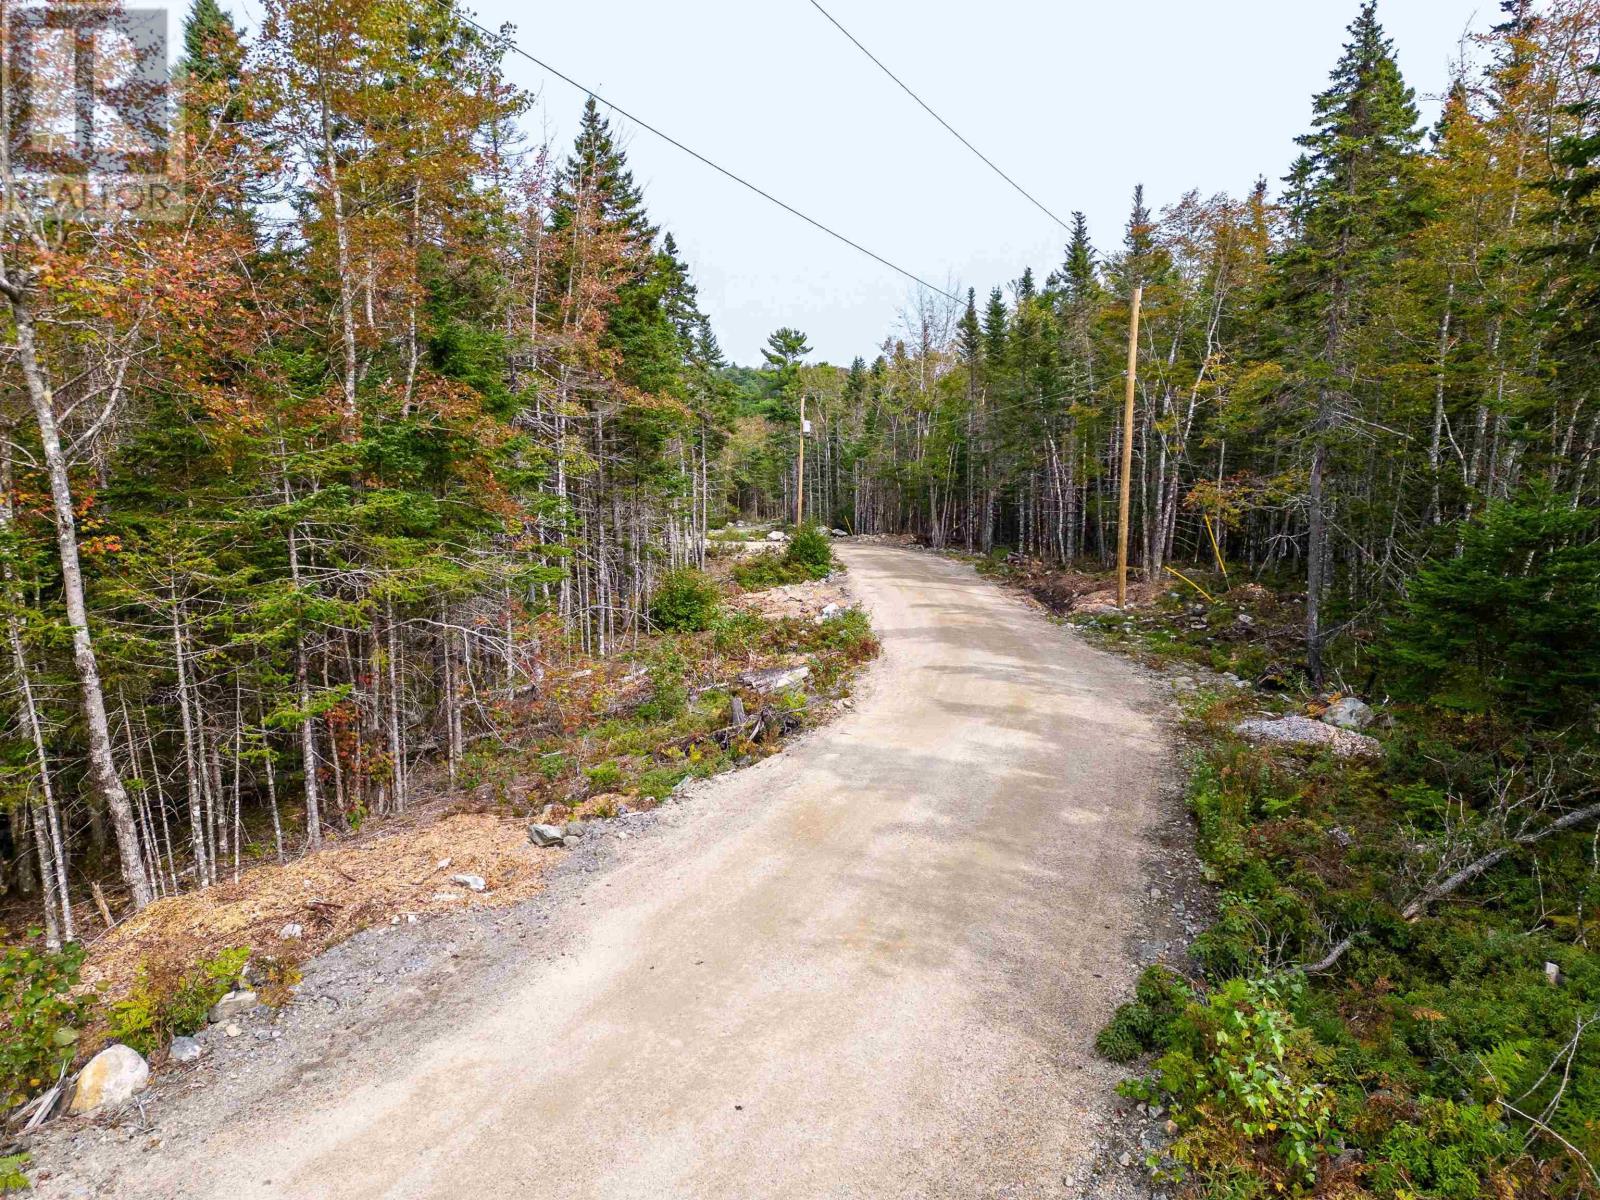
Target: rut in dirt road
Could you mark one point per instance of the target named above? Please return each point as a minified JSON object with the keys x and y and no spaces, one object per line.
{"x":872,"y":966}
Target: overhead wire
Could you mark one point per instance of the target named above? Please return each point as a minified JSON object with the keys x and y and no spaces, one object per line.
{"x":513,"y":47}
{"x":927,"y":108}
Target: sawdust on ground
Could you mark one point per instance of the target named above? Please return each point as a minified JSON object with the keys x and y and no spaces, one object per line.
{"x":330,"y":894}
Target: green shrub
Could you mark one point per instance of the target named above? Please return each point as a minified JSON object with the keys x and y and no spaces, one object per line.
{"x":811,"y":549}
{"x":41,"y":1017}
{"x":1144,"y":1023}
{"x":11,"y":1177}
{"x":604,"y":777}
{"x":809,"y":555}
{"x":1512,"y":622}
{"x":686,"y":602}
{"x":1445,"y":1153}
{"x":167,"y":1002}
{"x":1245,"y":1081}
{"x":767,"y":570}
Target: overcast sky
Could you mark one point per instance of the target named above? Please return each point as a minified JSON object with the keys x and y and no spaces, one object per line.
{"x":1077,"y":100}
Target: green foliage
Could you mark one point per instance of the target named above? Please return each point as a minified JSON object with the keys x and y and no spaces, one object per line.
{"x":809,"y":555}
{"x":686,"y":602}
{"x":42,"y":1017}
{"x":1444,"y":1152}
{"x":1243,"y":1077}
{"x":810,"y":548}
{"x":168,"y":1001}
{"x":1512,"y":622}
{"x":1143,"y":1023}
{"x":604,"y":776}
{"x":12,"y":1178}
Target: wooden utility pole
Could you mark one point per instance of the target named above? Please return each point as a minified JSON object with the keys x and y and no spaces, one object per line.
{"x":1127,"y":451}
{"x":800,"y":470}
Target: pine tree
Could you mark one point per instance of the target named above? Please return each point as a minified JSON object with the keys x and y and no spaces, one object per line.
{"x":1351,"y":195}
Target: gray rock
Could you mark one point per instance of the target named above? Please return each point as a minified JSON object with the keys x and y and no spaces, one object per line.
{"x":777,"y":535}
{"x":775,"y":679}
{"x":1303,"y":731}
{"x":838,"y":533}
{"x":545,"y":835}
{"x":232,"y":1030}
{"x":110,"y":1078}
{"x":473,"y":883}
{"x":576,"y":829}
{"x":234,"y":1004}
{"x":830,"y":610}
{"x":293,"y":931}
{"x":184,"y":1050}
{"x":1348,"y":713}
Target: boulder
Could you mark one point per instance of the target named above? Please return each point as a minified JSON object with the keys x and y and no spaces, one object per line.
{"x":830,"y":610}
{"x":545,"y":835}
{"x":234,"y":1004}
{"x":837,"y":533}
{"x":775,"y":679}
{"x":183,"y":1050}
{"x":111,"y":1078}
{"x":292,"y":931}
{"x":473,"y":883}
{"x":1303,"y":731}
{"x":777,"y":535}
{"x":1348,"y":713}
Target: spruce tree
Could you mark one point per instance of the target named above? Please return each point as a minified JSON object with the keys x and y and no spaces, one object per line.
{"x":1351,"y":197}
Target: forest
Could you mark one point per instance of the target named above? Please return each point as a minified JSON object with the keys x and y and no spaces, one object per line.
{"x":305,"y":488}
{"x":1337,"y":372}
{"x":303,"y":482}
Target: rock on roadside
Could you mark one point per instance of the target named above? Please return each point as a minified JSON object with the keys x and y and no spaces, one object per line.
{"x":184,"y":1050}
{"x":546,"y":835}
{"x":110,"y":1078}
{"x":775,"y":679}
{"x":1348,"y":713}
{"x":1303,"y":731}
{"x":234,"y":1004}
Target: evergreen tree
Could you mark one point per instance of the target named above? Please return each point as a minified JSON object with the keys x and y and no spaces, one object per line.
{"x":1352,"y":197}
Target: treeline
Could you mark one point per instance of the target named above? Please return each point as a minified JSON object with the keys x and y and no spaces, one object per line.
{"x":1335,"y":377}
{"x":301,"y":485}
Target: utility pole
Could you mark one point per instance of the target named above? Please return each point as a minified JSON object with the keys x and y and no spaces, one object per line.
{"x":1127,"y":450}
{"x":800,"y":470}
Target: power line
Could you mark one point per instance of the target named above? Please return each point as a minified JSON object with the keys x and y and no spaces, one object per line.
{"x":721,"y":170}
{"x":904,"y":88}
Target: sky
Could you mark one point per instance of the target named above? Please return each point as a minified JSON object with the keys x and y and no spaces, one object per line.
{"x":1077,"y":101}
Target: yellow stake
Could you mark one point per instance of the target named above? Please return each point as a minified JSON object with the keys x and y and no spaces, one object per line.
{"x":1193,"y":584}
{"x":1216,"y":549}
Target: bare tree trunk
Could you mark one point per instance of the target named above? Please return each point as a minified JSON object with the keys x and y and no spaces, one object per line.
{"x":102,"y":765}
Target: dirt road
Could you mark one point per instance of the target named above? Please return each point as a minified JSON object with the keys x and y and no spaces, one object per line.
{"x":872,"y":966}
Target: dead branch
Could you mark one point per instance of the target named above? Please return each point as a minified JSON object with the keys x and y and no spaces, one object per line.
{"x":1432,"y":894}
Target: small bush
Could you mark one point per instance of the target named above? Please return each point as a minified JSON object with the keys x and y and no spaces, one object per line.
{"x":767,"y":570}
{"x":1512,"y":622}
{"x":41,"y":1017}
{"x":604,"y":777}
{"x":12,"y":1178}
{"x":167,"y":1002}
{"x":686,"y":602}
{"x":1247,"y":1087}
{"x":810,"y":549}
{"x":1144,"y":1024}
